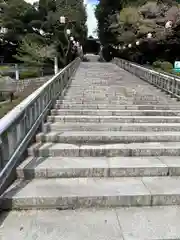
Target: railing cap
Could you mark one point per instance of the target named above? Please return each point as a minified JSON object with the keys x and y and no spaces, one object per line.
{"x":151,"y":70}
{"x":11,"y":116}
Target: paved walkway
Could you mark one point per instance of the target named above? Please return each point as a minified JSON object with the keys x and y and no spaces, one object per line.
{"x":93,"y":224}
{"x":111,"y":153}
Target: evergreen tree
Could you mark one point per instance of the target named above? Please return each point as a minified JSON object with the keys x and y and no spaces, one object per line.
{"x":104,"y":12}
{"x":40,"y":23}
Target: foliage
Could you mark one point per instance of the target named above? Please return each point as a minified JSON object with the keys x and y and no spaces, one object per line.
{"x":163,"y":66}
{"x":6,"y":107}
{"x":34,"y":52}
{"x":166,"y":66}
{"x":148,"y":18}
{"x":16,"y":16}
{"x":35,"y":30}
{"x":129,"y":16}
{"x":133,"y":20}
{"x":85,"y":59}
{"x":75,"y":12}
{"x":157,"y":64}
{"x":30,"y":74}
{"x":106,"y":14}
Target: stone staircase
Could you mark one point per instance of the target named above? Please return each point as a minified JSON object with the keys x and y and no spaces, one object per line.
{"x":113,"y":141}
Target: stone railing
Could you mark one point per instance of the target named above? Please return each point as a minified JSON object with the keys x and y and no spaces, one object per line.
{"x":20,"y":125}
{"x":167,"y":82}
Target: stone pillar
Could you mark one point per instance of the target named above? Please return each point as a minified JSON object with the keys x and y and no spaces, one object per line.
{"x":17,"y":72}
{"x":55,"y":65}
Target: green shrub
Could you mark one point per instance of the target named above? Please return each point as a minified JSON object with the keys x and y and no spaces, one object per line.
{"x":177,"y":73}
{"x":4,"y":96}
{"x":6,"y":107}
{"x":163,"y":66}
{"x":29,"y":74}
{"x":166,"y":66}
{"x":7,"y":71}
{"x":85,"y":59}
{"x":157,"y":64}
{"x":4,"y":68}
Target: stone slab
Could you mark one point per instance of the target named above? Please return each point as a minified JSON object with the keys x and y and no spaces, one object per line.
{"x":164,"y":190}
{"x":76,"y":106}
{"x":56,"y":167}
{"x":173,"y":164}
{"x":120,"y":101}
{"x":95,"y":137}
{"x":62,"y":167}
{"x":109,"y":150}
{"x":103,"y":112}
{"x":119,"y":119}
{"x":84,"y":224}
{"x":93,"y":224}
{"x":68,"y":193}
{"x":150,"y":223}
{"x":136,"y":166}
{"x":57,"y":126}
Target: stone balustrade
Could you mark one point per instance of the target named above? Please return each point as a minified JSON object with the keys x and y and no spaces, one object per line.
{"x":20,"y":125}
{"x":166,"y":82}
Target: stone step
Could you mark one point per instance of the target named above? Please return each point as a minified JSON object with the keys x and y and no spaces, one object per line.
{"x":105,"y":112}
{"x":94,"y":97}
{"x":93,"y":107}
{"x":108,"y":95}
{"x":71,"y":193}
{"x":64,"y":167}
{"x":154,"y":223}
{"x":108,"y":150}
{"x":96,"y":137}
{"x":116,"y":102}
{"x":114,"y":119}
{"x":100,"y":92}
{"x":114,"y":98}
{"x":75,"y":126}
{"x":114,"y":90}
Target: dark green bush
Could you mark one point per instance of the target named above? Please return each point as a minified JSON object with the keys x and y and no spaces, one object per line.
{"x":163,"y":66}
{"x":166,"y":66}
{"x":177,"y":73}
{"x":6,"y":107}
{"x":157,"y":64}
{"x":29,"y":74}
{"x":85,"y":59}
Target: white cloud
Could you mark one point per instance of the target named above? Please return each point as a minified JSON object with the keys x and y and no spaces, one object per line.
{"x":91,"y":19}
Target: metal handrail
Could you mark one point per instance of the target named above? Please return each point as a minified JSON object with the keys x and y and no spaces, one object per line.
{"x":166,"y":82}
{"x":18,"y":127}
{"x":150,"y":68}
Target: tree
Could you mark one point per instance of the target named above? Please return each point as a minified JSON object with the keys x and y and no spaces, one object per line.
{"x":16,"y":16}
{"x":106,"y":14}
{"x":75,"y":12}
{"x":40,"y":55}
{"x":133,"y":20}
{"x":42,"y":21}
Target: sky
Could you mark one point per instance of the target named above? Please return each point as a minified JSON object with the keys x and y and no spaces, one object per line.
{"x":91,"y":21}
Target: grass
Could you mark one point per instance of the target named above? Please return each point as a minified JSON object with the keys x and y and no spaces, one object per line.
{"x":6,"y":107}
{"x":19,"y":96}
{"x":4,"y":68}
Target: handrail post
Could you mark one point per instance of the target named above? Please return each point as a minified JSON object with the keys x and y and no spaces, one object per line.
{"x":55,"y":65}
{"x":20,"y":125}
{"x":17,"y":72}
{"x":166,"y":82}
